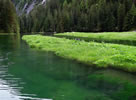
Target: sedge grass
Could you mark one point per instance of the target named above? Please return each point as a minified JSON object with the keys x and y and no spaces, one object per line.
{"x":102,"y":55}
{"x":128,"y":38}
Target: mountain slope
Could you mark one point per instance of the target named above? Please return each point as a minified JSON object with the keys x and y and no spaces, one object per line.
{"x":76,"y":15}
{"x":26,"y":6}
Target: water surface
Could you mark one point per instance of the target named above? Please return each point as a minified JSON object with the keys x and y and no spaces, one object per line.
{"x":29,"y":74}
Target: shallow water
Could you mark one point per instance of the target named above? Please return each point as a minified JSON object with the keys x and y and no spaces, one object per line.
{"x":29,"y":74}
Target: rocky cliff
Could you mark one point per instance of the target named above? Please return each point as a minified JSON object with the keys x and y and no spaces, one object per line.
{"x":26,"y":6}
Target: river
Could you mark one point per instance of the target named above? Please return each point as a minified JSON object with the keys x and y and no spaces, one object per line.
{"x":30,"y":74}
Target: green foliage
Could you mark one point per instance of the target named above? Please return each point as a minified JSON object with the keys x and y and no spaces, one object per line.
{"x":121,"y":14}
{"x":130,"y":19}
{"x":81,"y":15}
{"x":8,"y":18}
{"x":91,"y":53}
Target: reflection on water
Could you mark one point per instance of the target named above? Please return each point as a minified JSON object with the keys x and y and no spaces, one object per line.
{"x":28,"y":74}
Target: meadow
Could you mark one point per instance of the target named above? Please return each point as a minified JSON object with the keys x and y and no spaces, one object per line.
{"x":100,"y":55}
{"x":128,"y":38}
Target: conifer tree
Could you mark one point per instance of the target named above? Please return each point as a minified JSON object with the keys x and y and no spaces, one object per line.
{"x":81,"y":15}
{"x":130,"y":18}
{"x":8,"y":18}
{"x":121,"y":14}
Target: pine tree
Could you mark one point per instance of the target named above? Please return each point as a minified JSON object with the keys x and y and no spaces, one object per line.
{"x":8,"y":22}
{"x":81,"y":15}
{"x":121,"y":14}
{"x":102,"y":15}
{"x":130,"y":18}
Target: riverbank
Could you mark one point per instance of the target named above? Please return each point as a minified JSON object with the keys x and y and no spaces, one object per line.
{"x":101,"y":55}
{"x":128,"y":38}
{"x":7,"y":33}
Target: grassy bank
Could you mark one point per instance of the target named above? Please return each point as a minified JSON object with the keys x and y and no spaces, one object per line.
{"x":91,"y":53}
{"x":128,"y":38}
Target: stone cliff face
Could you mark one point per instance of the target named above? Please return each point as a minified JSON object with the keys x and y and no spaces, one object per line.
{"x":26,"y":6}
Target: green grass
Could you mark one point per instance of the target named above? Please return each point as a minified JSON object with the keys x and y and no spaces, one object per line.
{"x":101,"y":55}
{"x":128,"y":38}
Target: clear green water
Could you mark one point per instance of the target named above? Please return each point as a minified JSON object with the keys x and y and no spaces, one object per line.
{"x":29,"y":74}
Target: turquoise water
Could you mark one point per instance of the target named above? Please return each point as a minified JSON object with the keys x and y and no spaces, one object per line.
{"x":29,"y":74}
